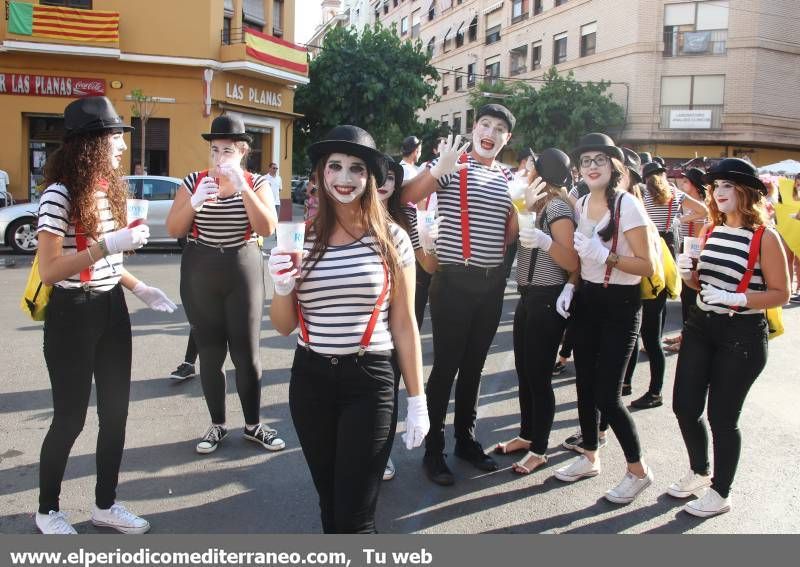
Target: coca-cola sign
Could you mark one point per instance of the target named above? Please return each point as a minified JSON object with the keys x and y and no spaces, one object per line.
{"x":45,"y":85}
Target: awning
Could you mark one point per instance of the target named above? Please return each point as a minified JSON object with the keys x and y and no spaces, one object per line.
{"x":493,"y":7}
{"x":459,"y":28}
{"x":447,"y":33}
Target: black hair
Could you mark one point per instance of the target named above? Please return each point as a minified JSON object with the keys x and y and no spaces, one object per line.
{"x":611,"y":200}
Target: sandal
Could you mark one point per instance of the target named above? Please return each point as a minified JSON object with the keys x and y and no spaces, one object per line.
{"x":521,"y":468}
{"x":673,"y":348}
{"x":503,"y":447}
{"x":673,"y":340}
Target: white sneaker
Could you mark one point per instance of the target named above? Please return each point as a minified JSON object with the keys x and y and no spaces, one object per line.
{"x":54,"y":523}
{"x":629,"y":488}
{"x":579,"y":468}
{"x":389,"y":471}
{"x":121,"y":519}
{"x":709,"y":504}
{"x":689,"y":485}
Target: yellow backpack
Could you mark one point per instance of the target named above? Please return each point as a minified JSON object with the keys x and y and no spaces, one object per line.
{"x":37,"y":294}
{"x":665,"y":275}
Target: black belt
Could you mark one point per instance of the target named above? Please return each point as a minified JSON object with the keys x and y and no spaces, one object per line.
{"x":528,"y":290}
{"x":335,"y":359}
{"x":467,"y":269}
{"x":83,"y":290}
{"x":219,"y":248}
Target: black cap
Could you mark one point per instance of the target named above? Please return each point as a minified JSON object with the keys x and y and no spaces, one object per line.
{"x":660,"y":160}
{"x":651,"y":168}
{"x":597,"y":142}
{"x":697,"y":177}
{"x":396,"y":168}
{"x":498,"y":111}
{"x":91,"y":114}
{"x":228,"y":128}
{"x":645,"y":157}
{"x":633,"y":162}
{"x":525,"y":153}
{"x":554,"y":166}
{"x":410,"y":144}
{"x":354,"y":141}
{"x":738,"y":171}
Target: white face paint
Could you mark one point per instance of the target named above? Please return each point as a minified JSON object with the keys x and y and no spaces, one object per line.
{"x":225,"y":152}
{"x":385,"y":191}
{"x":345,"y":177}
{"x":489,"y":135}
{"x":118,"y":146}
{"x":725,"y":196}
{"x":595,"y":175}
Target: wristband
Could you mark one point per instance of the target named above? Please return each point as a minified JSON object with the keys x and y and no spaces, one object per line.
{"x":103,"y":247}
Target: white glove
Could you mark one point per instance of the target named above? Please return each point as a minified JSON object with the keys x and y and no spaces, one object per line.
{"x":535,"y":193}
{"x":565,"y":300}
{"x":449,"y":152}
{"x":685,"y":267}
{"x":534,"y":238}
{"x":234,"y":174}
{"x":280,"y":270}
{"x":153,"y":297}
{"x":417,"y":422}
{"x":127,"y":239}
{"x":590,"y":248}
{"x":207,"y":189}
{"x":428,"y":234}
{"x":715,"y":296}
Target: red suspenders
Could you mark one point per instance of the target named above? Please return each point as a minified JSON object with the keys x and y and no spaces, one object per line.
{"x":81,"y":245}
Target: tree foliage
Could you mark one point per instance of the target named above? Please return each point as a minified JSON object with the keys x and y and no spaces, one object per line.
{"x":556,"y":112}
{"x":370,"y":79}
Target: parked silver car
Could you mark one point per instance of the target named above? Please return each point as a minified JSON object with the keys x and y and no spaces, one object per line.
{"x":18,"y":222}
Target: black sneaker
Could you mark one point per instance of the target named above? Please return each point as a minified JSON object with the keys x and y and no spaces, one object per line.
{"x":184,"y":371}
{"x":795,"y":298}
{"x":264,"y":436}
{"x":575,"y":443}
{"x":627,"y":390}
{"x":437,"y":470}
{"x":212,"y":439}
{"x":647,"y":401}
{"x":472,"y":452}
{"x":559,"y":368}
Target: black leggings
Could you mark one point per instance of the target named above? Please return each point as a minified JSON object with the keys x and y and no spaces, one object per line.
{"x":688,"y":299}
{"x":654,"y":315}
{"x":466,"y":304}
{"x":538,"y":329}
{"x":720,"y":357}
{"x":606,"y":326}
{"x":86,"y":334}
{"x":344,"y":411}
{"x":191,"y":349}
{"x":421,"y":295}
{"x":223,"y":295}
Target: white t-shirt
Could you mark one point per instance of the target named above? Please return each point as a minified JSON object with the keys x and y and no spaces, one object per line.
{"x":275,"y":183}
{"x":410,"y":171}
{"x":632,"y":215}
{"x":4,"y":181}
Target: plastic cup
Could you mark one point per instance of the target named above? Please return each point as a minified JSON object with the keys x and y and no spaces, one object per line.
{"x":527,"y":219}
{"x":137,"y":211}
{"x":692,"y":246}
{"x":291,"y":237}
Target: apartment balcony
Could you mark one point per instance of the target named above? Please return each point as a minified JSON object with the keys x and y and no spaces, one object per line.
{"x":262,"y":54}
{"x":694,"y":43}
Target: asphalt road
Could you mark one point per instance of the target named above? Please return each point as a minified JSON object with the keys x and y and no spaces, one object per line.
{"x":244,"y":489}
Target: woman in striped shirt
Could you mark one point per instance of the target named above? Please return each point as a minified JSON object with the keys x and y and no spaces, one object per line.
{"x":724,"y":347}
{"x":353,"y":300}
{"x":222,"y":211}
{"x":87,"y":331}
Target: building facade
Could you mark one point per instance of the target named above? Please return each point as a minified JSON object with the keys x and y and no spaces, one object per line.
{"x":193,"y":59}
{"x":712,"y":77}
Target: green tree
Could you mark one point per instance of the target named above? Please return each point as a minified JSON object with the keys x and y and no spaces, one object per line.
{"x":143,"y":108}
{"x":370,"y":79}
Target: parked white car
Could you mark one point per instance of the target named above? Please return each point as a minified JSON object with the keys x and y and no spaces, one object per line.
{"x":18,"y":222}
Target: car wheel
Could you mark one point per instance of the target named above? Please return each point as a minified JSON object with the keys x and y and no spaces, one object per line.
{"x":21,"y":236}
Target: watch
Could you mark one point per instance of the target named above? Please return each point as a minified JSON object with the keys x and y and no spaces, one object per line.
{"x":612,"y":260}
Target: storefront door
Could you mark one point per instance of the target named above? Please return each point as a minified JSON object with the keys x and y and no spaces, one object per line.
{"x":45,"y":135}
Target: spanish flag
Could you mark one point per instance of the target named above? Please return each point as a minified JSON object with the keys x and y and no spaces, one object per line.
{"x":276,"y":52}
{"x":63,"y":23}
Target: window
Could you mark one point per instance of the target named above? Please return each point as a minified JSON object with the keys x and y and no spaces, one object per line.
{"x":471,"y":75}
{"x":156,"y":150}
{"x":447,"y":40}
{"x":395,"y":3}
{"x":492,"y":69}
{"x":277,"y":18}
{"x":695,"y":28}
{"x":692,"y":102}
{"x":460,"y":35}
{"x":493,"y":22}
{"x":519,"y":11}
{"x":560,"y":3}
{"x":470,"y":119}
{"x":456,"y":123}
{"x":536,"y":57}
{"x":415,"y":22}
{"x":537,"y":7}
{"x":519,"y":59}
{"x":226,"y":31}
{"x":404,"y":25}
{"x":445,"y":83}
{"x":559,"y":48}
{"x":432,"y":12}
{"x":473,"y":29}
{"x":459,"y":79}
{"x":588,"y":39}
{"x":377,"y":15}
{"x":431,"y":46}
{"x":85,"y":4}
{"x":385,"y":7}
{"x":445,"y":122}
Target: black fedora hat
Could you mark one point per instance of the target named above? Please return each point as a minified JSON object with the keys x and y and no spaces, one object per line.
{"x":91,"y":114}
{"x":554,"y":166}
{"x":497,"y":111}
{"x":660,"y":160}
{"x":633,"y":162}
{"x":228,"y":128}
{"x":645,"y":157}
{"x":738,"y":171}
{"x":597,"y":142}
{"x":354,"y":141}
{"x":395,"y":168}
{"x":697,"y":178}
{"x":410,"y":144}
{"x":651,"y":168}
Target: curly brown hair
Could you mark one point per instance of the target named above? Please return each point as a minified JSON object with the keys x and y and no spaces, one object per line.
{"x":751,"y":205}
{"x":82,"y":164}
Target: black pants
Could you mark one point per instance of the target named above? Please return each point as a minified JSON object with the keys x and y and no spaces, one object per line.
{"x":688,"y":300}
{"x":606,"y":326}
{"x":344,"y":412}
{"x":538,"y":329}
{"x":566,"y":343}
{"x":421,"y":295}
{"x":511,"y":254}
{"x":466,"y":304}
{"x":720,"y":357}
{"x":86,"y":334}
{"x":223,"y":295}
{"x":654,"y":315}
{"x":191,"y":349}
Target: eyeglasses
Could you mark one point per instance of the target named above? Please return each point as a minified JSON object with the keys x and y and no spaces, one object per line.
{"x":599,"y":161}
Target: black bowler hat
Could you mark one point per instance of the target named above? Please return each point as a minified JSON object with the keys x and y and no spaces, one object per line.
{"x":651,"y":168}
{"x":353,"y":141}
{"x":91,"y":114}
{"x":660,"y":160}
{"x":645,"y":157}
{"x":597,"y":142}
{"x":410,"y":144}
{"x":553,"y":166}
{"x":738,"y":171}
{"x":697,"y":177}
{"x":633,"y":162}
{"x":498,"y":111}
{"x":396,"y":168}
{"x":228,"y":128}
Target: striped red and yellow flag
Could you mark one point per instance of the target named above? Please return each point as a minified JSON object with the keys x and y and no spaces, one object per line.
{"x":64,"y":23}
{"x":276,"y":51}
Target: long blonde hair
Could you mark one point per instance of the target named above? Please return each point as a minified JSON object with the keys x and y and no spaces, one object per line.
{"x":750,"y":204}
{"x":659,"y":189}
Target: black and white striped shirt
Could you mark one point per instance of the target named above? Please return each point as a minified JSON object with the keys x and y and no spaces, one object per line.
{"x":489,"y":207}
{"x":223,"y":222}
{"x":660,"y":214}
{"x":723,"y":263}
{"x":545,"y":270}
{"x":410,"y":211}
{"x":54,"y":217}
{"x":337,"y":297}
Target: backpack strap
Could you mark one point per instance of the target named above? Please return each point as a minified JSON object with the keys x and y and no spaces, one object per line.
{"x":618,"y":212}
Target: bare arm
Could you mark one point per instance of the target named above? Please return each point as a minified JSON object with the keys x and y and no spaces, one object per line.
{"x":697,"y":210}
{"x":776,"y":275}
{"x":419,"y":188}
{"x":53,"y":267}
{"x":405,"y":335}
{"x":260,"y":210}
{"x":641,"y":263}
{"x":563,"y":248}
{"x":283,"y":314}
{"x":181,"y":214}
